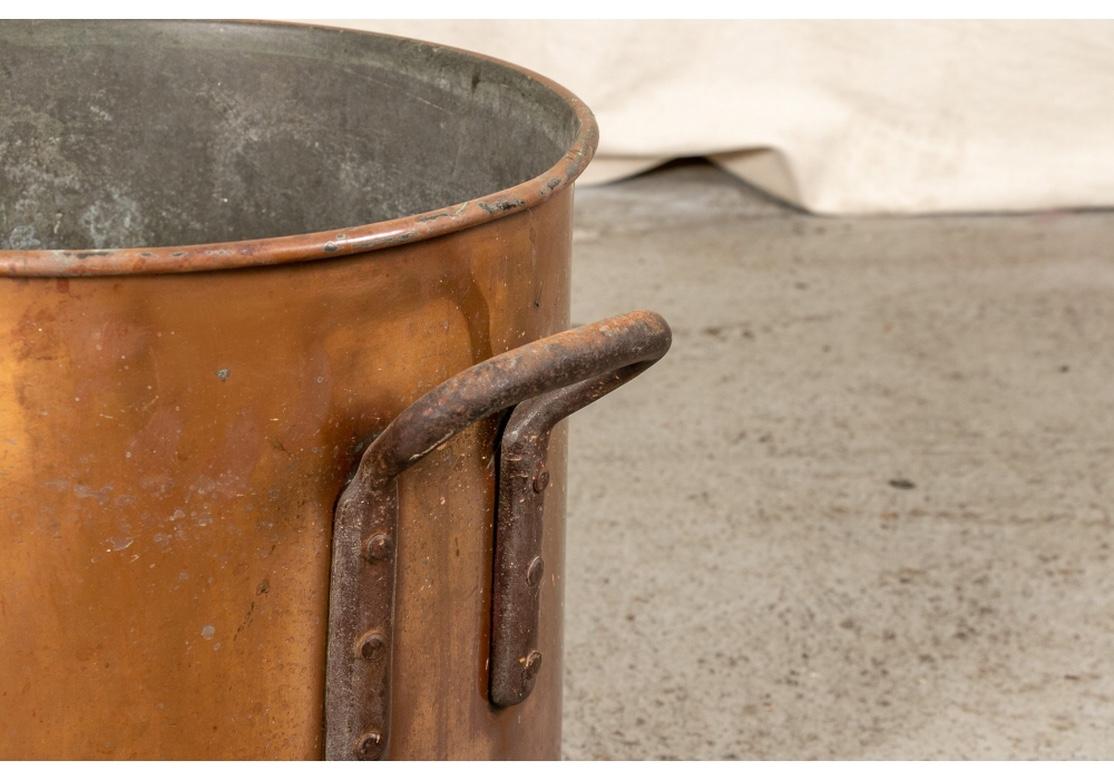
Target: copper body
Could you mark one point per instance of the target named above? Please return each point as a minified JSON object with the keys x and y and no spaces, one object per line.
{"x":176,"y":425}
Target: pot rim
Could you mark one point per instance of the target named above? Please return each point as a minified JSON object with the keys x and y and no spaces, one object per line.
{"x":327,"y":244}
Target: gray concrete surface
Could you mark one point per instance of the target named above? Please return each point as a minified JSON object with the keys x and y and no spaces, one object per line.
{"x":863,"y":508}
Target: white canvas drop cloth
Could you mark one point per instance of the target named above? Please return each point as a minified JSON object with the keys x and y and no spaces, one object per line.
{"x":839,"y":117}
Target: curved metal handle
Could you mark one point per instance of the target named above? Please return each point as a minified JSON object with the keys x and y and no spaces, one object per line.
{"x":519,"y":565}
{"x":565,"y":372}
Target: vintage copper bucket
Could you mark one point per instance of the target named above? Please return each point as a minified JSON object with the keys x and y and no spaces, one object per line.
{"x":350,"y":255}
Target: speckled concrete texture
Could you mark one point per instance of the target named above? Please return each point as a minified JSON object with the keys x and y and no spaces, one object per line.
{"x":863,"y":508}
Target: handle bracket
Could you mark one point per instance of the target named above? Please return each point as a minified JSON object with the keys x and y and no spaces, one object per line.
{"x":545,"y":381}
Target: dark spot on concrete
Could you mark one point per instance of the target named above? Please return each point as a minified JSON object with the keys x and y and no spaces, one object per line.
{"x":902,"y":484}
{"x":475,"y":79}
{"x":223,"y":374}
{"x":1065,"y":369}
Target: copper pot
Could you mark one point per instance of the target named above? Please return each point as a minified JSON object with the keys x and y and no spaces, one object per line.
{"x":349,"y":255}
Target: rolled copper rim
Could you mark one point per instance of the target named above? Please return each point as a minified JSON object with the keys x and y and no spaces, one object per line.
{"x":306,"y":247}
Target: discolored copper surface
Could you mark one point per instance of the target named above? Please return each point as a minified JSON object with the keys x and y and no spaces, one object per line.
{"x":177,"y":421}
{"x":172,"y":447}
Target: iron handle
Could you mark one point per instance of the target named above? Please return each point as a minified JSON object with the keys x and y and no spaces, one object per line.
{"x":546,"y":381}
{"x":523,"y":479}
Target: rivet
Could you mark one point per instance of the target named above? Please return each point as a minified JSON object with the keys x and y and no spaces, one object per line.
{"x":378,"y":547}
{"x":372,"y":645}
{"x":535,"y":570}
{"x":369,"y":746}
{"x":533,"y":664}
{"x":541,"y":482}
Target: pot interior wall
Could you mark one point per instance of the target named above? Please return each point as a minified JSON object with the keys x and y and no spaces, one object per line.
{"x":124,"y":134}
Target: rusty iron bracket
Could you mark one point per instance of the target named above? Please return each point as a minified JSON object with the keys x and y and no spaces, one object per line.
{"x":558,"y":374}
{"x":519,"y":566}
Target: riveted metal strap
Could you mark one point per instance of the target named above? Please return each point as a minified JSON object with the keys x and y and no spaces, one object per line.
{"x":582,"y":364}
{"x":519,"y":565}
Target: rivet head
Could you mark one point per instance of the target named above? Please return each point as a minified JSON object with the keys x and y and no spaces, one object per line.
{"x":372,"y":645}
{"x":541,"y":482}
{"x":534,"y":571}
{"x":369,"y":746}
{"x":379,"y":547}
{"x":532,"y":665}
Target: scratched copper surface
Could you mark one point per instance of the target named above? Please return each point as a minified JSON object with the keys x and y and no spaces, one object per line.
{"x":171,"y":449}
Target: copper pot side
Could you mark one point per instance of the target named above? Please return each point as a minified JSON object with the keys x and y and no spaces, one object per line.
{"x":355,"y":219}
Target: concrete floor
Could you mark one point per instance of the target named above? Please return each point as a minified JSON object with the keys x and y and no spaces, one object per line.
{"x":863,"y":508}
